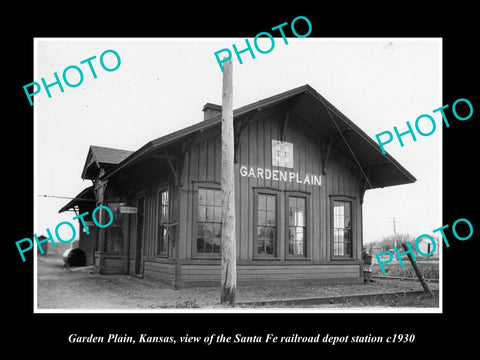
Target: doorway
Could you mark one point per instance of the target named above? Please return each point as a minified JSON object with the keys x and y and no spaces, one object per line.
{"x":139,"y":237}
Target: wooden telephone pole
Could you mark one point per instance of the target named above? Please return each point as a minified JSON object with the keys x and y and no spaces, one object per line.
{"x":419,"y":273}
{"x":228,"y":243}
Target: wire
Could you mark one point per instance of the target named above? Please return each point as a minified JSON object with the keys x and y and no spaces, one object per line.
{"x":65,"y":197}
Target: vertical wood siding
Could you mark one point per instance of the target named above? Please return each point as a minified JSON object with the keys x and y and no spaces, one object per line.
{"x":202,"y":164}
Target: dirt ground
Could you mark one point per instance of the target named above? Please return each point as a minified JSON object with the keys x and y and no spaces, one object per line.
{"x":84,"y":289}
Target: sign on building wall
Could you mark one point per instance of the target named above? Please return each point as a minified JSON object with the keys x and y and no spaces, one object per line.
{"x":128,"y":210}
{"x":282,"y":154}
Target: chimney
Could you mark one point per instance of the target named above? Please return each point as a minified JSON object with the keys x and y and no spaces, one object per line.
{"x":211,"y":110}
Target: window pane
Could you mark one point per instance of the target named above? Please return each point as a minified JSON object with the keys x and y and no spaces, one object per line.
{"x":260,"y":247}
{"x":217,"y":214}
{"x":299,"y":248}
{"x":209,"y":215}
{"x":200,"y":230}
{"x":210,"y":197}
{"x":346,"y":207}
{"x":260,"y":232}
{"x":296,"y":240}
{"x":301,"y":204}
{"x":208,"y":245}
{"x":209,"y":221}
{"x":164,"y":198}
{"x":292,"y":203}
{"x":266,"y":236}
{"x":218,"y":197}
{"x":337,"y":250}
{"x":271,"y":202}
{"x":202,"y":197}
{"x":201,"y":212}
{"x":162,"y":240}
{"x":217,"y":230}
{"x":297,"y":225}
{"x":208,"y":229}
{"x":342,"y":228}
{"x":262,"y":218}
{"x":216,"y":245}
{"x":271,"y":218}
{"x":262,"y":202}
{"x":200,"y":245}
{"x":291,"y":233}
{"x":300,"y":218}
{"x":300,"y":232}
{"x":339,"y":234}
{"x":269,"y":246}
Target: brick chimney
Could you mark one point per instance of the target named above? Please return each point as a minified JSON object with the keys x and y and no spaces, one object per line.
{"x":211,"y":110}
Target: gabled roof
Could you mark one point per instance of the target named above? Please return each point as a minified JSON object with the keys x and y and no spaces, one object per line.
{"x":102,"y":157}
{"x":323,"y":118}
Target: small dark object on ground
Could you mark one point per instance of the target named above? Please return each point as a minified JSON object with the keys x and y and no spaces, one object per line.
{"x":74,"y":257}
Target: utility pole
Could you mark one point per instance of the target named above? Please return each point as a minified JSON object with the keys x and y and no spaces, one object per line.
{"x":394,"y":232}
{"x":228,"y":243}
{"x":418,"y":272}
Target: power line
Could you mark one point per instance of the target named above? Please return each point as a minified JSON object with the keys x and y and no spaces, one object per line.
{"x":66,"y":197}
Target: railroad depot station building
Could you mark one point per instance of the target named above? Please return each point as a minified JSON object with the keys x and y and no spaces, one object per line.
{"x":301,"y":172}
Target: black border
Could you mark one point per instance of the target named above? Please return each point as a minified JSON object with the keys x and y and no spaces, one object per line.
{"x":434,"y":332}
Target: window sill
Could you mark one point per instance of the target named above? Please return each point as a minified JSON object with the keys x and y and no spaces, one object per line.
{"x":344,"y":258}
{"x":295,"y":258}
{"x":207,"y":257}
{"x":267,"y":258}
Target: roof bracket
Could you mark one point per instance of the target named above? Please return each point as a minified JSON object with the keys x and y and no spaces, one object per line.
{"x":348,"y":146}
{"x":284,"y":127}
{"x":326,"y":153}
{"x":238,"y":131}
{"x":172,"y":168}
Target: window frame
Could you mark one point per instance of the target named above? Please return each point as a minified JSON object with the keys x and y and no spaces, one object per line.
{"x":306,"y":252}
{"x":276,"y":250}
{"x":352,"y":202}
{"x":158,"y":253}
{"x":197,"y":187}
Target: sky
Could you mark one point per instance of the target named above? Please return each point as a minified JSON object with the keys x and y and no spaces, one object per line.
{"x":162,"y":84}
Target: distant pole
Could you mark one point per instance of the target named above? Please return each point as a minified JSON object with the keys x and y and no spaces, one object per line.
{"x":228,"y":244}
{"x":394,"y":233}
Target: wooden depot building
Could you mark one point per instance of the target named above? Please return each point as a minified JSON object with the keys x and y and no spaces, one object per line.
{"x":301,"y":171}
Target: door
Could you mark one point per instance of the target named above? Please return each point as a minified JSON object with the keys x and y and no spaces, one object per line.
{"x":139,"y":237}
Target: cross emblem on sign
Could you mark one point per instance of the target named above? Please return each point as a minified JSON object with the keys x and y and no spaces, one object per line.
{"x":282,"y":154}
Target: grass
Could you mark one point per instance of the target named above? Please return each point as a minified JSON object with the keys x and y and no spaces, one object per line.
{"x":76,"y":288}
{"x":429,"y":269}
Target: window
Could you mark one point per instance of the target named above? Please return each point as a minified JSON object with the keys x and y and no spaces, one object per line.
{"x":163,"y":220}
{"x":342,"y":228}
{"x":209,"y":221}
{"x":297,"y":226}
{"x":266,"y":232}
